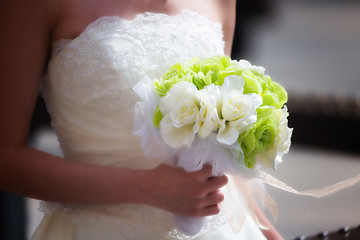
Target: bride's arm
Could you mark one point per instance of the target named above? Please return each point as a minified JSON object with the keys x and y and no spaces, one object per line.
{"x":228,"y":14}
{"x":26,"y":28}
{"x":271,"y":233}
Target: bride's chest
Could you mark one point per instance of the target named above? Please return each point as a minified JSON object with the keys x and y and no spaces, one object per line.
{"x":112,"y":54}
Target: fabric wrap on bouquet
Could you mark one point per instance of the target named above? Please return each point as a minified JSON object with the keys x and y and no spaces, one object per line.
{"x":204,"y":151}
{"x":209,"y":151}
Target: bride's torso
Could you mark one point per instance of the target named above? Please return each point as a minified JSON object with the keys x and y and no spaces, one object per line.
{"x":88,"y":87}
{"x":96,"y":60}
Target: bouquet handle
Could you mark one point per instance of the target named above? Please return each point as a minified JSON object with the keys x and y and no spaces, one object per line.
{"x":203,"y":151}
{"x":190,"y":225}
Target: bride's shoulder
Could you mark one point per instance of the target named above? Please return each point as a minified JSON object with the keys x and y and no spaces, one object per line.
{"x":27,"y":19}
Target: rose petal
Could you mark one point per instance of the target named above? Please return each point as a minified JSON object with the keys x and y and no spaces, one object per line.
{"x":176,"y":137}
{"x":227,"y":135}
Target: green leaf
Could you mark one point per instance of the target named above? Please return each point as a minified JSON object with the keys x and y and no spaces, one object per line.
{"x":157,"y":117}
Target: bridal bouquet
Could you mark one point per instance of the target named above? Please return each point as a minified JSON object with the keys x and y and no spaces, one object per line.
{"x":218,"y":111}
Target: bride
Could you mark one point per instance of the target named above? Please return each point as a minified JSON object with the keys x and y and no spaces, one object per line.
{"x":87,"y":56}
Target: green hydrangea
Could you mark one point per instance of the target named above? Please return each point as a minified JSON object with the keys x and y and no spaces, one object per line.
{"x":260,"y":137}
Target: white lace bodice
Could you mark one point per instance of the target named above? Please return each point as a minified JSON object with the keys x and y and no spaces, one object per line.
{"x":88,"y":89}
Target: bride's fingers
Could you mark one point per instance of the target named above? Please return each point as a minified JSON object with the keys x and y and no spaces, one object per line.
{"x":211,"y":210}
{"x":214,"y":198}
{"x":216,"y":183}
{"x":205,"y":172}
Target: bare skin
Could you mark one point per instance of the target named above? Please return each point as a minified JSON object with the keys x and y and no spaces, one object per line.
{"x":78,"y":15}
{"x":31,"y":27}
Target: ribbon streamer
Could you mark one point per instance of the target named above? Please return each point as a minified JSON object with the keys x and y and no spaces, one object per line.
{"x":268,"y":201}
{"x":320,"y":192}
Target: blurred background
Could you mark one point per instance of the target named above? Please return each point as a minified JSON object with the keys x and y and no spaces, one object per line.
{"x":312,"y":48}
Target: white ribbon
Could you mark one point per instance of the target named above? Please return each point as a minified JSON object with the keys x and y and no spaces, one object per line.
{"x":320,"y":192}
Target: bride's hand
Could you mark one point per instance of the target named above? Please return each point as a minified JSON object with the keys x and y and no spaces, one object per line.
{"x":194,"y":194}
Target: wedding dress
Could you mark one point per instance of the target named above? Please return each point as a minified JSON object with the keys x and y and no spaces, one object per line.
{"x":89,"y":95}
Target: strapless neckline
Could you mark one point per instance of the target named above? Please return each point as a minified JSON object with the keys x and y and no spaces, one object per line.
{"x":61,"y":43}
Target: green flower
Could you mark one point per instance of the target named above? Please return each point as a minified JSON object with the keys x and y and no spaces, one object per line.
{"x":268,"y":138}
{"x":261,"y":137}
{"x":201,"y":73}
{"x":177,"y":73}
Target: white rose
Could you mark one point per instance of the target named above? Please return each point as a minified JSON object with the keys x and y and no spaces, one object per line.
{"x":238,"y":110}
{"x":208,"y":116}
{"x":187,"y":111}
{"x":246,"y":65}
{"x":214,"y":92}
